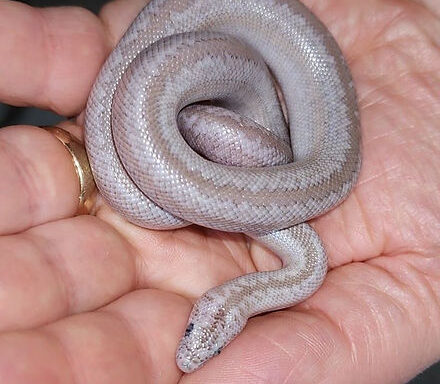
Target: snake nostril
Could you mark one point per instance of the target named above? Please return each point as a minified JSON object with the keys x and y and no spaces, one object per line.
{"x":189,"y":329}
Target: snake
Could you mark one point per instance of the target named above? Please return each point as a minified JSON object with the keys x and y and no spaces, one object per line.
{"x":240,"y":116}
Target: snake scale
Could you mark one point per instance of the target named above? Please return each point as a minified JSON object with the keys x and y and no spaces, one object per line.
{"x":187,"y":124}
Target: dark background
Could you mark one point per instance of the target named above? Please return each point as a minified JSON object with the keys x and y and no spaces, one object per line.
{"x":12,"y":115}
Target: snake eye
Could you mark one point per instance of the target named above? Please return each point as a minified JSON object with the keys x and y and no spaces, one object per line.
{"x":189,"y":329}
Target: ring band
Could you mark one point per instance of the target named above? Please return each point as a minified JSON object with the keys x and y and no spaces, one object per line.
{"x":81,"y":164}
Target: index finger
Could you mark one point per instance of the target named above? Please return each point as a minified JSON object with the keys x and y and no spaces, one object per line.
{"x":50,"y":56}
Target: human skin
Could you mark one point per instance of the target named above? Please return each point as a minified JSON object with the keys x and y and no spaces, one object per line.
{"x":94,"y":299}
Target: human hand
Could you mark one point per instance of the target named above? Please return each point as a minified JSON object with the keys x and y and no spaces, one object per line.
{"x":95,"y":299}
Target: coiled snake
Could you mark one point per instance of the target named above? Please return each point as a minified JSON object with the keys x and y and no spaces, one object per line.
{"x":231,"y":163}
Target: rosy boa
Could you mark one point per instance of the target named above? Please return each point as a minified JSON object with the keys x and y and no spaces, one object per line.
{"x":228,"y":164}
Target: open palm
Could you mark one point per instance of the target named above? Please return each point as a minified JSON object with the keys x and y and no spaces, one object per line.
{"x":93,"y":299}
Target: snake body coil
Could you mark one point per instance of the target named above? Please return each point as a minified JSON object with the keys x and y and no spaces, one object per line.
{"x":267,"y":179}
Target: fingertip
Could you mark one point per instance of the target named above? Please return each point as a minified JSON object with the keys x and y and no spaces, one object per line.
{"x":76,"y":47}
{"x":53,"y":56}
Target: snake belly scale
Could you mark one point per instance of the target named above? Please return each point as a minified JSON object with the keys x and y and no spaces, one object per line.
{"x":271,"y":177}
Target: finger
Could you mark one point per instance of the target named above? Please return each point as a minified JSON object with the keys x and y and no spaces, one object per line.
{"x":131,"y":341}
{"x":38,"y":179}
{"x":60,"y":268}
{"x":375,"y":322}
{"x":51,"y":56}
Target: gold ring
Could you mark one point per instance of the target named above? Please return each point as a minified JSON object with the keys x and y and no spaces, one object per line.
{"x":81,"y":164}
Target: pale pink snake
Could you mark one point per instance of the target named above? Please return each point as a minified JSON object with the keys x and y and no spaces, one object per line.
{"x":180,"y":52}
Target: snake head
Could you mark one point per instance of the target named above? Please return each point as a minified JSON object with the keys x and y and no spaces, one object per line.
{"x":211,"y":326}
